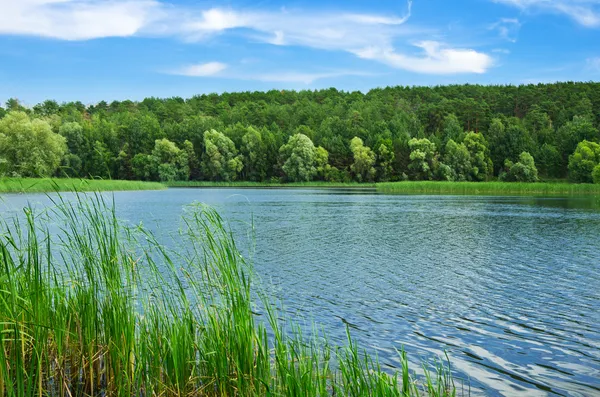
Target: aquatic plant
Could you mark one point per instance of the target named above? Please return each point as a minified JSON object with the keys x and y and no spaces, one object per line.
{"x":89,"y":307}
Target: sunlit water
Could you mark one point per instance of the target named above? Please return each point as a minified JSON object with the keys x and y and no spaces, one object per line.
{"x":509,"y":287}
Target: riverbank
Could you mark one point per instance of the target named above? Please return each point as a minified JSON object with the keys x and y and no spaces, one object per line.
{"x":43,"y":185}
{"x":121,"y":314}
{"x":490,"y":188}
{"x":246,"y":184}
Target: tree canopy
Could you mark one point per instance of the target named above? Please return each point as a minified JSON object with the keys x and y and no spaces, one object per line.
{"x":404,"y":132}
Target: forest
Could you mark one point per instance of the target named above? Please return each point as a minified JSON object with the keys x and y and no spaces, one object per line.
{"x":520,"y":133}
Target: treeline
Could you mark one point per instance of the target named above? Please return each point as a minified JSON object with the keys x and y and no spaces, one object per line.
{"x":459,"y":132}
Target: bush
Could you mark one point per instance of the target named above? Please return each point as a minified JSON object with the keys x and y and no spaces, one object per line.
{"x":596,"y":174}
{"x":522,"y":171}
{"x":583,"y":162}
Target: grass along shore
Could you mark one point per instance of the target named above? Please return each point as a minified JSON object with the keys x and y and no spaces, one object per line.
{"x":115,"y":313}
{"x":490,"y":188}
{"x":244,"y":184}
{"x":42,"y":185}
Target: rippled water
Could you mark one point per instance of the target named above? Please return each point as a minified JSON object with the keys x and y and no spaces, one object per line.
{"x":508,"y":286}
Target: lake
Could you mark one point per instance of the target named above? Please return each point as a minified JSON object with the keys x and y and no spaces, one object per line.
{"x":509,"y":287}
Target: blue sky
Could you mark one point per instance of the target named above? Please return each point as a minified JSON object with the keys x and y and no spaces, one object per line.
{"x":92,"y":50}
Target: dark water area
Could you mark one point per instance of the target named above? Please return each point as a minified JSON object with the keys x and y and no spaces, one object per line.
{"x":509,"y":287}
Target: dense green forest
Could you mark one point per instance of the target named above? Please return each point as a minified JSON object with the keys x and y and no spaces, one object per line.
{"x":457,"y":133}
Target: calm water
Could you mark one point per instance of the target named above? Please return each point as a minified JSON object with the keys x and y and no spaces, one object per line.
{"x":509,"y":287}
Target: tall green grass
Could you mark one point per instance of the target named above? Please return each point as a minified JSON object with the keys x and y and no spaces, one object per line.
{"x":492,"y":188}
{"x":243,"y":184}
{"x":90,"y":308}
{"x":41,"y":185}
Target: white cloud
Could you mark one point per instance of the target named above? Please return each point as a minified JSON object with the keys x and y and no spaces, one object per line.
{"x":311,"y":29}
{"x":584,"y":12}
{"x":216,"y":69}
{"x":75,"y":19}
{"x":201,"y":70}
{"x":370,"y":36}
{"x":351,"y":33}
{"x":435,"y":59}
{"x":508,"y":28}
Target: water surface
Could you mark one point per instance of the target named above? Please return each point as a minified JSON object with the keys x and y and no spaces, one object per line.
{"x":509,"y":287}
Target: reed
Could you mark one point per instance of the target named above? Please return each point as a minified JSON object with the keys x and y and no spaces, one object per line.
{"x":247,"y":184}
{"x":41,"y":185}
{"x":489,"y":188}
{"x":89,"y":307}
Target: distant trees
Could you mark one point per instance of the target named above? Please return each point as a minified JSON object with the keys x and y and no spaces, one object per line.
{"x":458,"y":159}
{"x":364,"y":160}
{"x":584,"y":162}
{"x":221,"y":161}
{"x":255,"y":156}
{"x":479,"y":155}
{"x":396,"y":133}
{"x":423,"y":158}
{"x":298,"y":158}
{"x":522,"y":171}
{"x":29,"y":148}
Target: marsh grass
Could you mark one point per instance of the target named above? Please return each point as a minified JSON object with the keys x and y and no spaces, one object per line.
{"x":489,"y":188}
{"x":90,"y":308}
{"x":247,"y":184}
{"x":42,"y":185}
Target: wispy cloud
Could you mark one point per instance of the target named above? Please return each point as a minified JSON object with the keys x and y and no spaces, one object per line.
{"x":435,"y":59}
{"x":370,"y":36}
{"x":200,"y":70}
{"x":221,"y":70}
{"x":508,"y":28}
{"x":584,"y":12}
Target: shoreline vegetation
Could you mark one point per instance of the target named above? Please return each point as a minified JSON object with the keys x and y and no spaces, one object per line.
{"x":100,"y":309}
{"x":45,"y":185}
{"x":245,"y":184}
{"x":474,"y":133}
{"x":487,"y":188}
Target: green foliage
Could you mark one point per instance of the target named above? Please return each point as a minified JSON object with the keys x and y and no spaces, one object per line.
{"x":119,"y":314}
{"x":491,"y":188}
{"x":100,"y":162}
{"x":42,"y":185}
{"x":575,"y":131}
{"x":255,"y":156}
{"x":171,"y":162}
{"x":423,"y":158}
{"x":298,"y":158}
{"x":221,"y":161}
{"x":546,"y":120}
{"x":458,"y":159}
{"x":549,"y":161}
{"x":596,"y":174}
{"x":452,"y":129}
{"x":364,"y":161}
{"x":322,"y":167}
{"x":583,"y":162}
{"x":522,"y":171}
{"x":28,"y":147}
{"x":476,"y":144}
{"x":385,"y":160}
